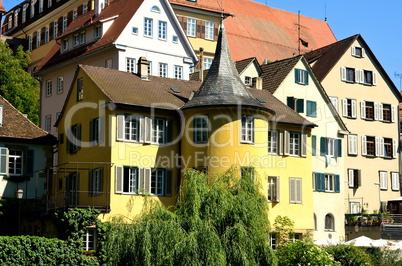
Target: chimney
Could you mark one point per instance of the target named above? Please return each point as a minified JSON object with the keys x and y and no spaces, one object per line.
{"x":98,"y":6}
{"x":143,"y":66}
{"x":201,"y":77}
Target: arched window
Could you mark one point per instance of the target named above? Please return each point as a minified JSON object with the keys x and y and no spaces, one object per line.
{"x":315,"y":222}
{"x":329,"y":222}
{"x":155,"y":9}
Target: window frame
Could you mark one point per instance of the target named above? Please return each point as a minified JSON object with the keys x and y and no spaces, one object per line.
{"x":209,"y":30}
{"x":178,"y":72}
{"x":148,"y":27}
{"x":48,"y":123}
{"x":191,"y":27}
{"x":95,"y":181}
{"x":163,"y":70}
{"x":49,"y":87}
{"x":273,"y":189}
{"x":295,"y":196}
{"x":131,"y":64}
{"x":80,"y":89}
{"x":294,"y":143}
{"x":247,"y":129}
{"x":273,"y":142}
{"x":162,"y":30}
{"x":15,"y":162}
{"x":329,"y":223}
{"x":201,"y":129}
{"x":60,"y":84}
{"x":158,"y":131}
{"x":354,"y":178}
{"x":301,"y":76}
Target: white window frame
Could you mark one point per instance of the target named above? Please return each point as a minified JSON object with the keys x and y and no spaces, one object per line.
{"x":207,"y":62}
{"x":351,"y":178}
{"x":329,"y":183}
{"x":273,"y":142}
{"x":209,"y":30}
{"x":60,"y":84}
{"x":178,"y":72}
{"x":130,"y":65}
{"x":49,"y":87}
{"x":32,"y":10}
{"x":24,"y":13}
{"x":55,"y":29}
{"x":15,"y":162}
{"x":49,"y":3}
{"x":148,"y":27}
{"x":96,"y":176}
{"x":162,"y":30}
{"x":301,"y":73}
{"x":329,"y":222}
{"x":75,"y":13}
{"x":158,"y":131}
{"x":30,"y":42}
{"x":383,"y":180}
{"x":48,"y":123}
{"x":352,"y":144}
{"x":345,"y":103}
{"x":84,"y":8}
{"x":163,"y":70}
{"x":395,"y":183}
{"x":191,"y":27}
{"x":97,"y":31}
{"x":201,"y":129}
{"x":40,"y":6}
{"x":132,"y":128}
{"x":294,"y":143}
{"x":273,"y":189}
{"x":46,"y":34}
{"x":90,"y":234}
{"x":38,"y":38}
{"x":247,"y":129}
{"x":295,"y":190}
{"x":65,"y":22}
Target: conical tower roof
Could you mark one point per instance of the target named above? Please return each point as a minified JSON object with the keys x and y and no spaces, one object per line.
{"x":2,"y":9}
{"x":223,"y":86}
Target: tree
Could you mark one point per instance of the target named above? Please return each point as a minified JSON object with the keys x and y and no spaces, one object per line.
{"x":16,"y":85}
{"x":216,"y":221}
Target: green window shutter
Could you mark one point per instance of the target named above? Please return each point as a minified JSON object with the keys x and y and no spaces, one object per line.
{"x":91,"y":132}
{"x":297,"y":71}
{"x":3,"y":161}
{"x":291,"y":102}
{"x":317,"y":182}
{"x":313,"y":145}
{"x":306,"y":76}
{"x":101,"y":129}
{"x":30,"y":162}
{"x":322,"y":178}
{"x":323,"y":146}
{"x":90,"y":183}
{"x":169,"y":131}
{"x":337,"y":184}
{"x":311,"y":109}
{"x":338,"y":148}
{"x":300,"y":106}
{"x":168,"y":183}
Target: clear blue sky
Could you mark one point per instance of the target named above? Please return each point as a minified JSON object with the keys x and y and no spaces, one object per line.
{"x":377,"y":21}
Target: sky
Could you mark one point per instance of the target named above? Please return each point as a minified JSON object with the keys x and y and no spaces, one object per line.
{"x":378,"y":22}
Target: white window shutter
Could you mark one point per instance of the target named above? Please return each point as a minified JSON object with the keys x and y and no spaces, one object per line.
{"x":395,"y":181}
{"x":375,"y":78}
{"x":147,"y":179}
{"x":363,"y":110}
{"x":101,"y":130}
{"x":298,"y":190}
{"x":363,"y":52}
{"x":377,"y":146}
{"x":353,"y":51}
{"x":281,"y":145}
{"x":376,"y":111}
{"x":118,"y":185}
{"x":141,"y":180}
{"x":394,"y":148}
{"x":393,"y":113}
{"x":351,"y":177}
{"x":357,"y":75}
{"x":1,"y":115}
{"x":304,"y":145}
{"x":380,"y":112}
{"x":364,"y":145}
{"x":141,"y":129}
{"x":120,"y":127}
{"x":345,"y":107}
{"x":343,"y":73}
{"x":350,"y":145}
{"x":381,"y":147}
{"x":147,"y":129}
{"x":361,"y":76}
{"x":3,"y":161}
{"x":355,"y":144}
{"x":354,"y":108}
{"x":286,"y":146}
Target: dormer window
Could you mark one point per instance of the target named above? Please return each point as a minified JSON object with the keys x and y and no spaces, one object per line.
{"x":32,"y":9}
{"x":16,"y":17}
{"x":10,"y":22}
{"x":24,"y":13}
{"x":155,"y":9}
{"x":97,"y":31}
{"x":64,"y":45}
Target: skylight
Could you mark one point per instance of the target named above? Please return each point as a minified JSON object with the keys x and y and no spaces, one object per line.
{"x":176,"y":90}
{"x":261,"y":100}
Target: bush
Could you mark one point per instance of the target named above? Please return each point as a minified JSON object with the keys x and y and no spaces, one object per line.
{"x":33,"y":250}
{"x":303,"y":252}
{"x":349,"y":255}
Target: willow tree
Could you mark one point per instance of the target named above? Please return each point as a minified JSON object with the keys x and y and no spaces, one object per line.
{"x":16,"y":84}
{"x":216,"y":221}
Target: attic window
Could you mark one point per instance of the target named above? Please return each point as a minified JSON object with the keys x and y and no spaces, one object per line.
{"x":175,"y":90}
{"x":261,"y":100}
{"x":155,"y":9}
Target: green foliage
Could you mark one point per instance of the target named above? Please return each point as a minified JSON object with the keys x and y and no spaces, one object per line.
{"x":33,"y":250}
{"x":384,"y":257}
{"x":283,"y":227}
{"x":17,"y":85}
{"x":217,"y":221}
{"x":303,"y":252}
{"x":349,"y":255}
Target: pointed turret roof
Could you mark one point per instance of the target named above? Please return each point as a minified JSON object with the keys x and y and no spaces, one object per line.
{"x":222,"y":85}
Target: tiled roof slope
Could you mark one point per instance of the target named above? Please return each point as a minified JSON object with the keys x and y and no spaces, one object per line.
{"x":222,"y":85}
{"x":266,"y":32}
{"x":323,"y":59}
{"x":274,"y":73}
{"x":124,"y":9}
{"x":17,"y":126}
{"x":125,"y":88}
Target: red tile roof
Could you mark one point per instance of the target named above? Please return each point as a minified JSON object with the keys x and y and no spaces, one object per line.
{"x":264,"y":32}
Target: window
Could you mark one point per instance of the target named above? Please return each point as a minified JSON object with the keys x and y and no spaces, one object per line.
{"x":15,"y":162}
{"x":349,"y":108}
{"x":10,"y":22}
{"x":273,"y":188}
{"x":294,"y":143}
{"x":311,"y":108}
{"x":32,"y":11}
{"x":295,"y":104}
{"x":301,"y":76}
{"x":352,"y":144}
{"x":38,"y":38}
{"x":175,"y":39}
{"x":247,"y":172}
{"x":163,"y":70}
{"x":40,"y":6}
{"x":48,"y":123}
{"x":24,"y":13}
{"x":329,"y":222}
{"x":334,"y":101}
{"x":82,"y":37}
{"x":201,"y":129}
{"x":134,"y":180}
{"x":247,"y":80}
{"x":331,"y":147}
{"x":76,"y":40}
{"x":350,"y":74}
{"x":355,"y":207}
{"x":295,"y":190}
{"x":395,"y":181}
{"x":273,"y":142}
{"x":55,"y":29}
{"x":97,"y":31}
{"x":74,"y":139}
{"x":48,"y":87}
{"x":368,"y":77}
{"x":97,"y":131}
{"x":46,"y":34}
{"x":191,"y":27}
{"x":354,"y":178}
{"x":158,"y":131}
{"x":75,"y":13}
{"x":155,"y":9}
{"x":387,"y":112}
{"x":149,"y":67}
{"x":64,"y":45}
{"x":247,"y":129}
{"x":130,"y":65}
{"x":49,"y":3}
{"x":162,"y":30}
{"x":313,"y":145}
{"x":84,"y":8}
{"x":207,"y":62}
{"x":60,"y":83}
{"x":209,"y":30}
{"x":95,"y":181}
{"x":383,"y":180}
{"x":80,"y":89}
{"x":178,"y":72}
{"x":325,"y":182}
{"x":386,"y":147}
{"x":369,"y":110}
{"x":358,"y":52}
{"x":134,"y":30}
{"x":30,"y":42}
{"x":148,"y":27}
{"x":16,"y":12}
{"x":128,"y":127}
{"x":109,"y":63}
{"x":89,"y":238}
{"x":361,"y":76}
{"x":64,"y":26}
